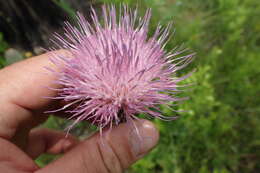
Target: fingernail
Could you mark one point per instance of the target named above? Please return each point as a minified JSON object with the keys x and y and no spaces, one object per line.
{"x":144,"y":138}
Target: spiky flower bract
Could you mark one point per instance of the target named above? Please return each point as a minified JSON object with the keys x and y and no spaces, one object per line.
{"x":114,"y":70}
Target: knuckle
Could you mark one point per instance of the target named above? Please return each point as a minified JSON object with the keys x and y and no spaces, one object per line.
{"x":99,"y":158}
{"x":110,"y":159}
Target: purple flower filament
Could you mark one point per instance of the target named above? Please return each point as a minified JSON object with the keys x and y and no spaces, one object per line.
{"x":114,"y":71}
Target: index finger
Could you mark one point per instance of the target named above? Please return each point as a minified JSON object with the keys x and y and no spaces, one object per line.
{"x":22,"y":91}
{"x":23,"y":83}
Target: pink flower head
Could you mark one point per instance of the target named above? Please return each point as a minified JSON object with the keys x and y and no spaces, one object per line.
{"x":114,"y":70}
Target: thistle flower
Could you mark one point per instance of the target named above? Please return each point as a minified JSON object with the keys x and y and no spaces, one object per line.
{"x":114,"y":70}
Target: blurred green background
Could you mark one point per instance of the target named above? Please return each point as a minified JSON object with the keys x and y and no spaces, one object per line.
{"x":220,"y":132}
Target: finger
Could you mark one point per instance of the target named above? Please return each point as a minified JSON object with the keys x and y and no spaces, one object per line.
{"x":28,"y":78}
{"x":13,"y":160}
{"x":49,"y":141}
{"x":22,"y":93}
{"x":113,"y":152}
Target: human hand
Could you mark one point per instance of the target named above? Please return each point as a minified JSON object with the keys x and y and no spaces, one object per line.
{"x":22,"y":108}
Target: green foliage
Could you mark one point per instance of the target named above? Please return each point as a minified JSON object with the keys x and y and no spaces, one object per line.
{"x":66,"y":7}
{"x":3,"y":47}
{"x":45,"y":159}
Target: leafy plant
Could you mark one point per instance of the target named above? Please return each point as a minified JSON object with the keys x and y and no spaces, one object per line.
{"x":3,"y":47}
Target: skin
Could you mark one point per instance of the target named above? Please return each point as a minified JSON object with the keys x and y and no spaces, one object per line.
{"x":22,"y":107}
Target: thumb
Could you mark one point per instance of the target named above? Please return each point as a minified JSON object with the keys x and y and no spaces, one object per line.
{"x":115,"y":151}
